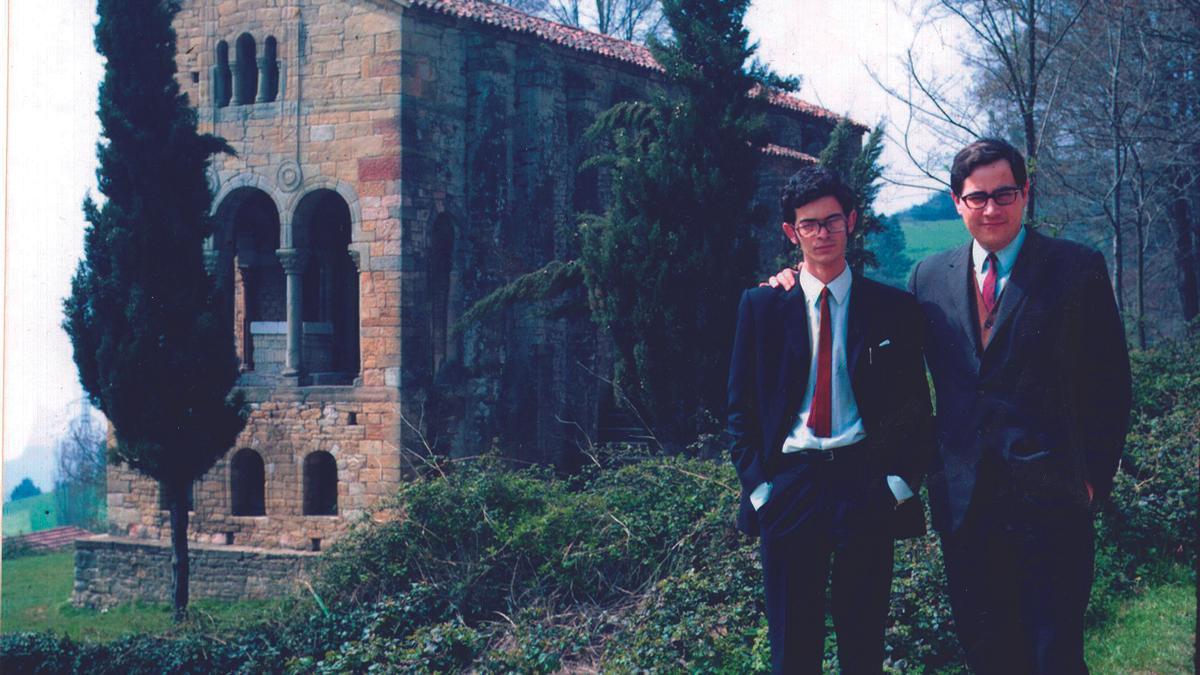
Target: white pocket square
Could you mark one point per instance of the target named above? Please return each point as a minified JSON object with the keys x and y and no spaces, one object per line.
{"x":885,"y":343}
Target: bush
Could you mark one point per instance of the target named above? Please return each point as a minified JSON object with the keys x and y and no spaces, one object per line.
{"x":711,"y":618}
{"x":632,"y":567}
{"x":1150,"y":523}
{"x":490,"y":539}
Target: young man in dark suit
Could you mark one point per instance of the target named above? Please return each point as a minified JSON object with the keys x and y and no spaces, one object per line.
{"x":829,"y":413}
{"x":1031,"y":372}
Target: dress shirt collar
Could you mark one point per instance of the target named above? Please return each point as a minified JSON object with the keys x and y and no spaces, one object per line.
{"x":1006,"y":257}
{"x":812,"y":286}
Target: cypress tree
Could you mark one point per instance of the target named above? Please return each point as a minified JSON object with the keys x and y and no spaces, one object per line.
{"x":153,"y":348}
{"x":860,"y":169}
{"x":666,"y":263}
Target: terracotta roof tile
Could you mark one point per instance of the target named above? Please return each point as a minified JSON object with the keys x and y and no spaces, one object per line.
{"x":774,"y":150}
{"x":514,"y":20}
{"x":58,"y":537}
{"x":508,"y":18}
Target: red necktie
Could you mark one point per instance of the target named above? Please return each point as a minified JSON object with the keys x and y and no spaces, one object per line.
{"x":820,"y":415}
{"x":989,"y":283}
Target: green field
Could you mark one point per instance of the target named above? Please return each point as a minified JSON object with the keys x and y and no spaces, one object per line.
{"x":36,"y":594}
{"x":32,"y":514}
{"x":1151,"y":633}
{"x":924,"y":238}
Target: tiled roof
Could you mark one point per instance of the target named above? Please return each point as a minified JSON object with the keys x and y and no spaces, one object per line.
{"x":514,"y":20}
{"x":790,"y":153}
{"x":58,"y":537}
{"x":508,"y":18}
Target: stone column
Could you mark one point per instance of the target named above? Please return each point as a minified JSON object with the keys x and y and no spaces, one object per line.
{"x":247,"y":293}
{"x":293,"y":262}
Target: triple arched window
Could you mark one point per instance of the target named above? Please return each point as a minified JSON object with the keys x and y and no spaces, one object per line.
{"x":249,"y":77}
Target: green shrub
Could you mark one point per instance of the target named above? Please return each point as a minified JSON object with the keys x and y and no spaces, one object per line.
{"x":711,"y":618}
{"x":540,"y":641}
{"x":920,"y":634}
{"x":489,"y":539}
{"x":1149,"y":525}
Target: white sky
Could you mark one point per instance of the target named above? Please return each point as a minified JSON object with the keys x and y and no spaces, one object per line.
{"x":49,"y":76}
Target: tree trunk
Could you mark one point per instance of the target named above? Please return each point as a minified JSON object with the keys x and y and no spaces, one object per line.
{"x":1031,"y":148}
{"x":180,"y":565}
{"x":1141,"y":279}
{"x":1187,"y":258}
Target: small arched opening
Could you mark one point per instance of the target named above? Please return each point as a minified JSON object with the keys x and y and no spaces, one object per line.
{"x":268,"y":70}
{"x":247,"y":69}
{"x":247,"y":483}
{"x":222,"y":80}
{"x":320,"y":484}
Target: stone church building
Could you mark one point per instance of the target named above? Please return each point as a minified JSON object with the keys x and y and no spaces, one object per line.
{"x":396,"y":161}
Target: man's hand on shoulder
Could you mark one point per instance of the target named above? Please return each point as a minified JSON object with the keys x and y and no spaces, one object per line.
{"x":784,"y":278}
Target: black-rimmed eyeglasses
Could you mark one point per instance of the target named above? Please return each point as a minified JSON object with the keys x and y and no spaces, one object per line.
{"x":1003,"y":197}
{"x":811,"y":227}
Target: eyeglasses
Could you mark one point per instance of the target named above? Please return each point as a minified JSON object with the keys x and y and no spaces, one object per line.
{"x":1003,"y":197}
{"x":811,"y":227}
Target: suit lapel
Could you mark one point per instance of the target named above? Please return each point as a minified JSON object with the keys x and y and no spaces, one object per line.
{"x":959,"y":289}
{"x":856,"y":323}
{"x":1019,"y":283}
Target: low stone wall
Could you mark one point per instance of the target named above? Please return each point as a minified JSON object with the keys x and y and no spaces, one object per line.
{"x":112,"y":570}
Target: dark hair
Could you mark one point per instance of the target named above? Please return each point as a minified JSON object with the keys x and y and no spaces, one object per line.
{"x":810,"y":184}
{"x":982,"y":152}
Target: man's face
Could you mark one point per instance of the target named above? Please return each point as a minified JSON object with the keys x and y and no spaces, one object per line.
{"x":824,"y":248}
{"x":993,"y":225}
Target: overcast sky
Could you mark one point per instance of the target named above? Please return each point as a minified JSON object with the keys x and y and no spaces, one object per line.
{"x":51,"y":72}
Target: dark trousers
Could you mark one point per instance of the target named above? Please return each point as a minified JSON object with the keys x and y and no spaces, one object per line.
{"x":820,"y":511}
{"x":1019,"y":577}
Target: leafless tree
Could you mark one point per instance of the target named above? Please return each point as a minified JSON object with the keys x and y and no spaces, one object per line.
{"x":80,"y":472}
{"x":1127,"y":143}
{"x":633,"y":20}
{"x":1013,"y":71}
{"x":1105,"y":96}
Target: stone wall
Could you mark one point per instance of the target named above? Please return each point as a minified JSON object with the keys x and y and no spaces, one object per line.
{"x":111,"y":570}
{"x":284,"y":428}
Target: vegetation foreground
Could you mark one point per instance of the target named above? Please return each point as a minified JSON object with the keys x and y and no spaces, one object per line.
{"x":633,"y":565}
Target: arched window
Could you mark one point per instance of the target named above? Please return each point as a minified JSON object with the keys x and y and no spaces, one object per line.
{"x":330,"y":287}
{"x":246,"y":483}
{"x":268,"y":72}
{"x":441,"y":260}
{"x":320,"y":484}
{"x":248,"y":232}
{"x":222,"y":76}
{"x":247,"y":69}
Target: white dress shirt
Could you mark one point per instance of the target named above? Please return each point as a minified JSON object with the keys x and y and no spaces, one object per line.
{"x":1005,"y":257}
{"x":847,"y":425}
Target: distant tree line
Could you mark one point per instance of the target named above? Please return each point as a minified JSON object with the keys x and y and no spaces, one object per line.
{"x":1103,"y":97}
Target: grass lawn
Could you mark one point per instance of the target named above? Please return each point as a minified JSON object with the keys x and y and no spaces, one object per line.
{"x":35,"y":596}
{"x":924,"y":238}
{"x":32,"y":514}
{"x":1151,"y":633}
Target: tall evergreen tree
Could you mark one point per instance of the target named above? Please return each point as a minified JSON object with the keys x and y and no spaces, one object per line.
{"x":861,"y":170}
{"x":153,"y":348}
{"x":665,"y":264}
